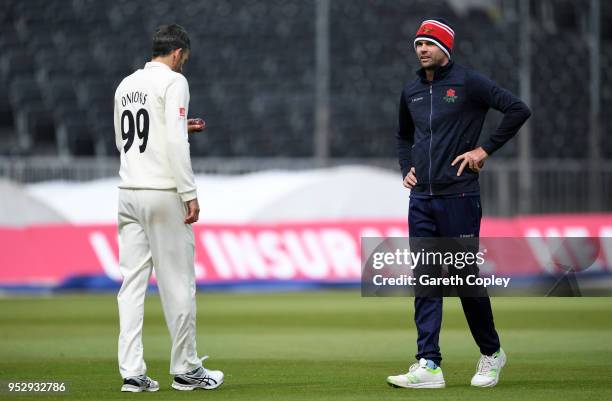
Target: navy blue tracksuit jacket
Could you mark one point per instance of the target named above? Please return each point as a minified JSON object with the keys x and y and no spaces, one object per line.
{"x":438,"y":121}
{"x":442,"y":119}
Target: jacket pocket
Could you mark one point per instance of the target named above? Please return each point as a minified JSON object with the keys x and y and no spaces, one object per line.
{"x":420,"y":160}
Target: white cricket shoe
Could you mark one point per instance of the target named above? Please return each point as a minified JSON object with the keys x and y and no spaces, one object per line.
{"x":198,"y":378}
{"x":138,"y":384}
{"x":488,"y":369}
{"x":419,"y":376}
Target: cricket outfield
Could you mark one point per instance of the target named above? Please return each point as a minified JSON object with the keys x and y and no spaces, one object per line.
{"x":327,"y":345}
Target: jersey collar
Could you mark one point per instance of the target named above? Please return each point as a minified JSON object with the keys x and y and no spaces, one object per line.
{"x":152,"y":64}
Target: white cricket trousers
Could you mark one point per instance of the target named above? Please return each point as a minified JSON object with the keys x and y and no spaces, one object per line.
{"x":152,"y":235}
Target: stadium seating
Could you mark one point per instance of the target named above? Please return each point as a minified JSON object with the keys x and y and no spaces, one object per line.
{"x":252,"y":72}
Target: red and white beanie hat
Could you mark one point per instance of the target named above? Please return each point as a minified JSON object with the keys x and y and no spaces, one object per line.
{"x":439,"y":32}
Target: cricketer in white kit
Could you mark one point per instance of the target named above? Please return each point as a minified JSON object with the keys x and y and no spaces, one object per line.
{"x":157,"y":204}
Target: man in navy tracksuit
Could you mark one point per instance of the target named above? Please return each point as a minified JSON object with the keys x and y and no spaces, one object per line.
{"x":441,"y":115}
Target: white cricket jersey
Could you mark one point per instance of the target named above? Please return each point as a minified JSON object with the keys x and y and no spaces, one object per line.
{"x":151,"y":108}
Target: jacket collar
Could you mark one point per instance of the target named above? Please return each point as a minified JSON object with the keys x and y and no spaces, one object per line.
{"x":439,"y":72}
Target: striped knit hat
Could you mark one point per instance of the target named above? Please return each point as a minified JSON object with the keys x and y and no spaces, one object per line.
{"x":439,"y":32}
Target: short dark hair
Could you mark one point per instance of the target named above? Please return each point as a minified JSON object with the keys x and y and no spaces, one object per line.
{"x":168,"y":38}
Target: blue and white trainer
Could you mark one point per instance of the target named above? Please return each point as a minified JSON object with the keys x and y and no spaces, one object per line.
{"x":423,"y":374}
{"x":198,"y":378}
{"x":138,"y":384}
{"x":488,"y":369}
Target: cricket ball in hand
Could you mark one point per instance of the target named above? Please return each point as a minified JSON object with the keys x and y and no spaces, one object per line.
{"x":196,"y":121}
{"x":196,"y":124}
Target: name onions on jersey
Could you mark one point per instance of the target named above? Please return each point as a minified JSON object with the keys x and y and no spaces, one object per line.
{"x":134,"y":123}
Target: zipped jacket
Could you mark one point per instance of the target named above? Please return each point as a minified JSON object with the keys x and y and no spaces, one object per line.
{"x":443,"y":118}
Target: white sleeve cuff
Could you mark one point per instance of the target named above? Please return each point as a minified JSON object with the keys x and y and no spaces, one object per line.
{"x":187,"y":196}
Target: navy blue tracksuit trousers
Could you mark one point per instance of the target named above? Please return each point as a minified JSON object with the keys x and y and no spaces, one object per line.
{"x":456,"y":216}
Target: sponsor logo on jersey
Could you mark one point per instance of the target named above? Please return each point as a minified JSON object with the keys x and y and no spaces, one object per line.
{"x":181,"y":112}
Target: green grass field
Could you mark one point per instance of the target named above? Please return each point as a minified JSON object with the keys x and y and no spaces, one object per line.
{"x":310,"y":346}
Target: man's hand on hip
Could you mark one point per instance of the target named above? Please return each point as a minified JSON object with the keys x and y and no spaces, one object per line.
{"x":193,"y":211}
{"x":410,"y":181}
{"x":474,"y":159}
